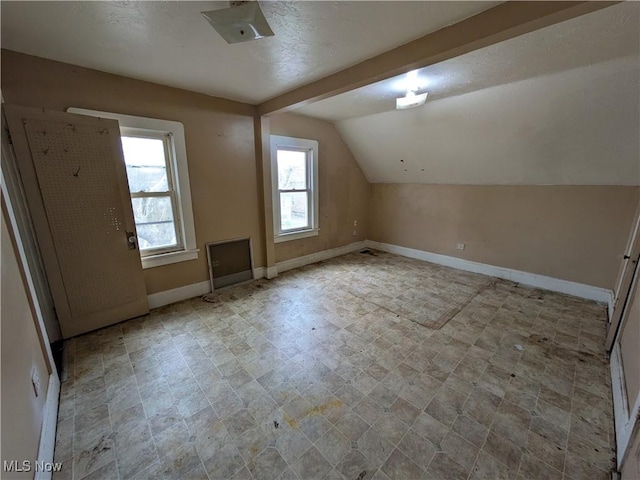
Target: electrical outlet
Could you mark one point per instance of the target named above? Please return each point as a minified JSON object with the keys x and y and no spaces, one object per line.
{"x":459,"y":246}
{"x":355,"y":223}
{"x":35,"y":381}
{"x":355,"y":232}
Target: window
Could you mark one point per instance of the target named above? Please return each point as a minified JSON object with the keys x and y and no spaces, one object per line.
{"x":148,"y":157}
{"x":156,"y":162}
{"x":294,"y":172}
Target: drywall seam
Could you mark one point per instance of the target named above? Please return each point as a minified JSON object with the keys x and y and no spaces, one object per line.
{"x":319,"y":256}
{"x":539,"y":281}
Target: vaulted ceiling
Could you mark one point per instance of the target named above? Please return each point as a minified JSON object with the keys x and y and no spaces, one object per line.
{"x":558,"y":105}
{"x":586,"y":40}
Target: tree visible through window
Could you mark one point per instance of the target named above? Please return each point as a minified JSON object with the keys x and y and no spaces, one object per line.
{"x":148,"y":158}
{"x":295,"y":187}
{"x":293,"y":183}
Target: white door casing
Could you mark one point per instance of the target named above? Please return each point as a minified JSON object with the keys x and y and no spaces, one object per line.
{"x":626,"y":402}
{"x":630,"y":260}
{"x":623,"y":342}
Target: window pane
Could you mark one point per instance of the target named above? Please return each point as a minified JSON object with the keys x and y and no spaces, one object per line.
{"x":292,"y":170}
{"x":154,"y":222}
{"x":293,"y":210}
{"x":146,"y":165}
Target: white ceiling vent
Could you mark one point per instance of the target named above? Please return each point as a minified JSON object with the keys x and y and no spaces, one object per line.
{"x":240,"y":22}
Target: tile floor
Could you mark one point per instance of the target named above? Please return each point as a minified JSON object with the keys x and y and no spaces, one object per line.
{"x":321,"y":374}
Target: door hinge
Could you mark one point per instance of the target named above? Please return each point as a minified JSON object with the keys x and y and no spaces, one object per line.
{"x":9,"y":139}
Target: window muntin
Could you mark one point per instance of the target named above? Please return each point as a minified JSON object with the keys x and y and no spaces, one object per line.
{"x":295,"y":193}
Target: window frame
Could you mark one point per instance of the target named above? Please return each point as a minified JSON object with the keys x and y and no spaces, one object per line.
{"x":170,"y":161}
{"x":279,"y":142}
{"x":180,"y":177}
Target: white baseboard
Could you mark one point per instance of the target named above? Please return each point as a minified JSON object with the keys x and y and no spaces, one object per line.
{"x":532,"y":279}
{"x":259,"y":272}
{"x":186,"y":292}
{"x":539,"y":281}
{"x":611,"y":303}
{"x":271,"y":272}
{"x":320,"y":256}
{"x":49,"y":425}
{"x":174,"y":295}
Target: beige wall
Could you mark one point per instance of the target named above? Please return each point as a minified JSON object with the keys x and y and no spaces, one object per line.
{"x":219,"y":137}
{"x":344,"y":191}
{"x":22,"y":411}
{"x":575,"y":233}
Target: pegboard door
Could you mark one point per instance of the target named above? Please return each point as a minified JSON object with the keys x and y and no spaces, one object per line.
{"x":74,"y":176}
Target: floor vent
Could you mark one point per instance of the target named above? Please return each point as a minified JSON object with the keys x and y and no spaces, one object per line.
{"x":230,"y":262}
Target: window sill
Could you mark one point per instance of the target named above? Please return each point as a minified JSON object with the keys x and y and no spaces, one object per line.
{"x":285,"y":237}
{"x":167,"y":258}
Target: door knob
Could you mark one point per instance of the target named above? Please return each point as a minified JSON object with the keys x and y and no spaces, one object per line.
{"x":132,"y":240}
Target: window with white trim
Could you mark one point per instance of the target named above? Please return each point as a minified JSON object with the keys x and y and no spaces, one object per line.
{"x":148,"y":156}
{"x":294,"y":175}
{"x":156,"y":162}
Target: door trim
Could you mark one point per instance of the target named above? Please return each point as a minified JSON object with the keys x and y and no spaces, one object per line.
{"x":49,"y":424}
{"x":24,"y":223}
{"x":625,"y":420}
{"x":628,"y":271}
{"x":50,"y":411}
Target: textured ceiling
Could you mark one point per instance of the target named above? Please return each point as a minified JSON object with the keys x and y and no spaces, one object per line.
{"x":578,"y":127}
{"x":586,"y":40}
{"x":172,"y":44}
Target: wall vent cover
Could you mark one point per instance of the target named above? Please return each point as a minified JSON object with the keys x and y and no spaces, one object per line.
{"x":230,"y":262}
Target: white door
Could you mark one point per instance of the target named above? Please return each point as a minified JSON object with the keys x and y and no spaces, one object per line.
{"x":630,"y":262}
{"x":74,"y":176}
{"x":623,"y":339}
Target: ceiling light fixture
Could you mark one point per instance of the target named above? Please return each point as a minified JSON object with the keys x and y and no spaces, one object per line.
{"x":242,"y":21}
{"x":411,"y":99}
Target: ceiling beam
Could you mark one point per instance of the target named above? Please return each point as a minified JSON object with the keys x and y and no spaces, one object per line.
{"x":502,"y":22}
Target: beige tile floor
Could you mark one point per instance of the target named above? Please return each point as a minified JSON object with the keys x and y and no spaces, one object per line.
{"x":320,"y":374}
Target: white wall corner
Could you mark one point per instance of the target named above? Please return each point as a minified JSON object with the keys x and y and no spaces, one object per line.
{"x":575,"y":289}
{"x":320,"y":256}
{"x":259,"y":272}
{"x":271,"y":272}
{"x":174,"y":295}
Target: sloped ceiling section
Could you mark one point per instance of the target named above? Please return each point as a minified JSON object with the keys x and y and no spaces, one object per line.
{"x":580,"y":127}
{"x":596,"y":37}
{"x":558,"y":106}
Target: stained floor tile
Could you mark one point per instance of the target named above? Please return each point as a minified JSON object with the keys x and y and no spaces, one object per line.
{"x":363,"y":366}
